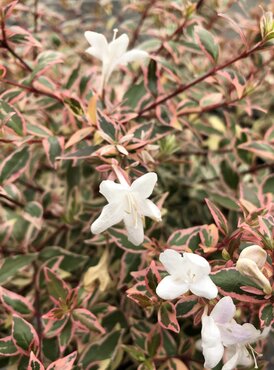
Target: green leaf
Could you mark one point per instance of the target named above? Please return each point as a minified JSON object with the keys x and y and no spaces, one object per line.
{"x":70,"y":261}
{"x":75,"y":107}
{"x":207,"y":43}
{"x":230,"y":176}
{"x":107,"y":127}
{"x":119,"y":237}
{"x":225,"y":201}
{"x":15,"y":303}
{"x":218,"y":216}
{"x":185,"y":306}
{"x":134,"y":95}
{"x":7,"y":347}
{"x":56,"y":286}
{"x":11,"y":265}
{"x":53,"y":146}
{"x":268,"y":185}
{"x":101,"y":350}
{"x":230,"y":281}
{"x":23,"y":334}
{"x":152,"y":278}
{"x":189,"y":237}
{"x":11,"y":118}
{"x":266,"y":314}
{"x":14,"y":165}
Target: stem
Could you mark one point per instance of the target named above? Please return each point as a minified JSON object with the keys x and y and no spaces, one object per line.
{"x":37,"y":307}
{"x":4,"y":44}
{"x":141,"y":21}
{"x":32,"y":89}
{"x":211,"y":72}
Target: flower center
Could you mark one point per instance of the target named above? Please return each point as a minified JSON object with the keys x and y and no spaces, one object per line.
{"x":132,"y":208}
{"x":190,"y":276}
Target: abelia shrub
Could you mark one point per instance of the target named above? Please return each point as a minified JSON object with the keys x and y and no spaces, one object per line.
{"x":136,"y":185}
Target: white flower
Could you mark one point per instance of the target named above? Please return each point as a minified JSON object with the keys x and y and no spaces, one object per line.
{"x":112,"y":54}
{"x":187,"y":272}
{"x":250,"y":263}
{"x":221,"y":334}
{"x":130,"y":204}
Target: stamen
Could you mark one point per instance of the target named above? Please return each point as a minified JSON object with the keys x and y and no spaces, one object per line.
{"x":115,"y":31}
{"x":253,"y":355}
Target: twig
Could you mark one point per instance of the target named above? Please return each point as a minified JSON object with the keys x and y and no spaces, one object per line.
{"x":141,"y":21}
{"x":211,"y":72}
{"x":32,"y":89}
{"x":5,"y":44}
{"x":37,"y":306}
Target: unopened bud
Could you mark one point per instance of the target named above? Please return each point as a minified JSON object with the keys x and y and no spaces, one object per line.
{"x":249,"y":268}
{"x":267,"y":26}
{"x":225,"y":255}
{"x":255,"y":254}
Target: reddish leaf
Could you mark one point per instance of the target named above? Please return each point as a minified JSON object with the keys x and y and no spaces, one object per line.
{"x":152,"y":278}
{"x":78,"y":136}
{"x":34,"y":363}
{"x":65,"y":363}
{"x":167,"y":317}
{"x":260,"y":148}
{"x":218,"y":216}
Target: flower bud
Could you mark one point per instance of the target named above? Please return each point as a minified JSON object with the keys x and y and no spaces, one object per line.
{"x":249,"y":268}
{"x":256,"y":254}
{"x":267,"y":26}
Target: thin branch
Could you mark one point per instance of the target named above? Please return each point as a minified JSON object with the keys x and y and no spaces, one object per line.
{"x":5,"y":44}
{"x":210,"y":73}
{"x":32,"y":89}
{"x":141,"y":22}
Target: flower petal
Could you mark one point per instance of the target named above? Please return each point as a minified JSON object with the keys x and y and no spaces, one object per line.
{"x":132,"y":56}
{"x":112,"y":191}
{"x":213,"y":349}
{"x":99,"y":44}
{"x":144,"y":185}
{"x":117,"y":48}
{"x":224,"y":310}
{"x":232,"y":354}
{"x":135,"y":228}
{"x":173,"y":262}
{"x":199,"y":265}
{"x":150,"y":209}
{"x":204,"y":287}
{"x":170,"y":288}
{"x":111,"y":215}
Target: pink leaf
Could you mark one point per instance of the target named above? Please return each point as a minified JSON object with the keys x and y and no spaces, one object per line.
{"x":34,"y":363}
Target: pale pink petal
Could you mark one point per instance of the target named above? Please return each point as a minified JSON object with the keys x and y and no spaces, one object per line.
{"x":169,"y":288}
{"x":118,"y":47}
{"x":224,"y":310}
{"x":232,"y":355}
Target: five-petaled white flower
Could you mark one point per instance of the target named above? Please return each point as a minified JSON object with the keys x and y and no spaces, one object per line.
{"x":130,"y":204}
{"x":223,"y":336}
{"x":187,"y":272}
{"x":112,"y":54}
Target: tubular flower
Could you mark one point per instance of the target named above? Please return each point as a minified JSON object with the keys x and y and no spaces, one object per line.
{"x":251,"y":260}
{"x":130,"y":204}
{"x":112,"y":54}
{"x":222,"y":335}
{"x":187,"y":272}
